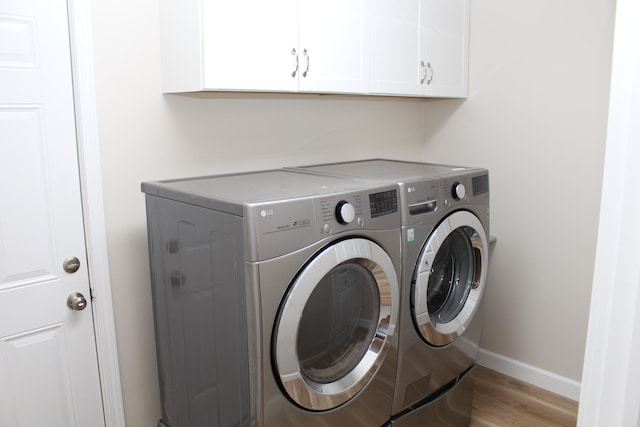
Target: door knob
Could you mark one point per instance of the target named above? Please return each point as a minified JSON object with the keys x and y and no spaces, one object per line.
{"x":76,"y":301}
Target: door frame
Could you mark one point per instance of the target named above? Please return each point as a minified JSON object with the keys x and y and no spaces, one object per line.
{"x":610,"y":392}
{"x":93,"y":209}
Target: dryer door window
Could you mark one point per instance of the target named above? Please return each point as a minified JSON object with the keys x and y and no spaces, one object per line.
{"x":338,"y":323}
{"x":335,"y":324}
{"x":449,"y":278}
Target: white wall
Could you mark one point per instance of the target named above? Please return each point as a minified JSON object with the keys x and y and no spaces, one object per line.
{"x":536,"y":117}
{"x":145,"y":135}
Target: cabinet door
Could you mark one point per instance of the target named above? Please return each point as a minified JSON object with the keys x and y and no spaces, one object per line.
{"x":249,"y":45}
{"x":445,"y":27}
{"x":334,"y":46}
{"x":420,"y":47}
{"x":395,"y":47}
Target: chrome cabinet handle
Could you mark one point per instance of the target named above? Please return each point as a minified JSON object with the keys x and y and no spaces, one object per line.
{"x":424,"y":70}
{"x":430,"y":69}
{"x":306,"y":57}
{"x":428,"y":72}
{"x":297,"y":62}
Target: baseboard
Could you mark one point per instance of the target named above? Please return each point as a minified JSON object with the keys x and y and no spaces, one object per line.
{"x":531,"y":374}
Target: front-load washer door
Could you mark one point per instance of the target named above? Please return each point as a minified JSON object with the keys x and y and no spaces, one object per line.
{"x":335,"y":324}
{"x":449,"y":278}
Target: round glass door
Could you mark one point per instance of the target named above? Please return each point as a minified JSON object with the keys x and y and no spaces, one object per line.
{"x":335,"y":324}
{"x":450,"y":278}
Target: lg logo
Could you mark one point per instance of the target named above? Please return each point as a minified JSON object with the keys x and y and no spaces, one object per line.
{"x":266,"y":212}
{"x":411,"y":189}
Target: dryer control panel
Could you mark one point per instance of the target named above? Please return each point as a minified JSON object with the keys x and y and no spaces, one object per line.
{"x":283,"y":226}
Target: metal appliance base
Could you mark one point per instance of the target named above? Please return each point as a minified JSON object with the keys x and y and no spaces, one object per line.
{"x":451,"y":408}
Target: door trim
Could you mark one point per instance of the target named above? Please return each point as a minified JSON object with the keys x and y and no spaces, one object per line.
{"x":93,"y":209}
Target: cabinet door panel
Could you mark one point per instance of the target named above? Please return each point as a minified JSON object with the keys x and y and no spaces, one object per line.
{"x":247,"y":45}
{"x":446,"y":31}
{"x":395,"y":47}
{"x":335,"y":35}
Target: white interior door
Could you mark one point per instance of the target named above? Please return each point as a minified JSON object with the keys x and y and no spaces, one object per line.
{"x":48,"y":363}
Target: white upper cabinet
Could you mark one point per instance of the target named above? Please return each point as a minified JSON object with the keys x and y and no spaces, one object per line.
{"x":254,"y":45}
{"x":420,"y":47}
{"x":386,"y":47}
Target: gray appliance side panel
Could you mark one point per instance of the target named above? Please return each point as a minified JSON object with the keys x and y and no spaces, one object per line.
{"x":198,"y":290}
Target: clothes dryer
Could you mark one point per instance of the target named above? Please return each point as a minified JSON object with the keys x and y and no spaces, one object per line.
{"x":445,"y":224}
{"x":275,"y":299}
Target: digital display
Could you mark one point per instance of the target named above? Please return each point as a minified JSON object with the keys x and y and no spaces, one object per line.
{"x":383,"y":203}
{"x":480,"y":184}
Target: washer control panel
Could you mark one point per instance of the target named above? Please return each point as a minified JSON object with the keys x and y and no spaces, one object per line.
{"x":383,"y":203}
{"x":358,"y":210}
{"x":465,"y":188}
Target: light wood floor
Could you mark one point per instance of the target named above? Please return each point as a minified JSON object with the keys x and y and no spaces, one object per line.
{"x":499,"y":400}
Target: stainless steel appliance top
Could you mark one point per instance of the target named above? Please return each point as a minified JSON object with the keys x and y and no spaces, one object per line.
{"x":229,"y":193}
{"x":388,"y":171}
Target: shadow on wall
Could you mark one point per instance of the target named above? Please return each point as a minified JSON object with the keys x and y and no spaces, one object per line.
{"x":437,"y":112}
{"x":294,"y":128}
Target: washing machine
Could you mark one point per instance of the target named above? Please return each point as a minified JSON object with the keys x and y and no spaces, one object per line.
{"x":445,"y":224}
{"x":275,"y":299}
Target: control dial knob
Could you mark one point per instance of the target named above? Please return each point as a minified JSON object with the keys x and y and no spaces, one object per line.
{"x":458,"y":191}
{"x":345,"y":212}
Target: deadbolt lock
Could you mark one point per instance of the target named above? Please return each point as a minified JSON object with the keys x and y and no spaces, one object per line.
{"x":71,"y":265}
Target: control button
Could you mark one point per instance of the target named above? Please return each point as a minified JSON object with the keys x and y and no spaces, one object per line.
{"x":326,"y":228}
{"x":360,"y":222}
{"x":458,"y":191}
{"x":345,"y":212}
